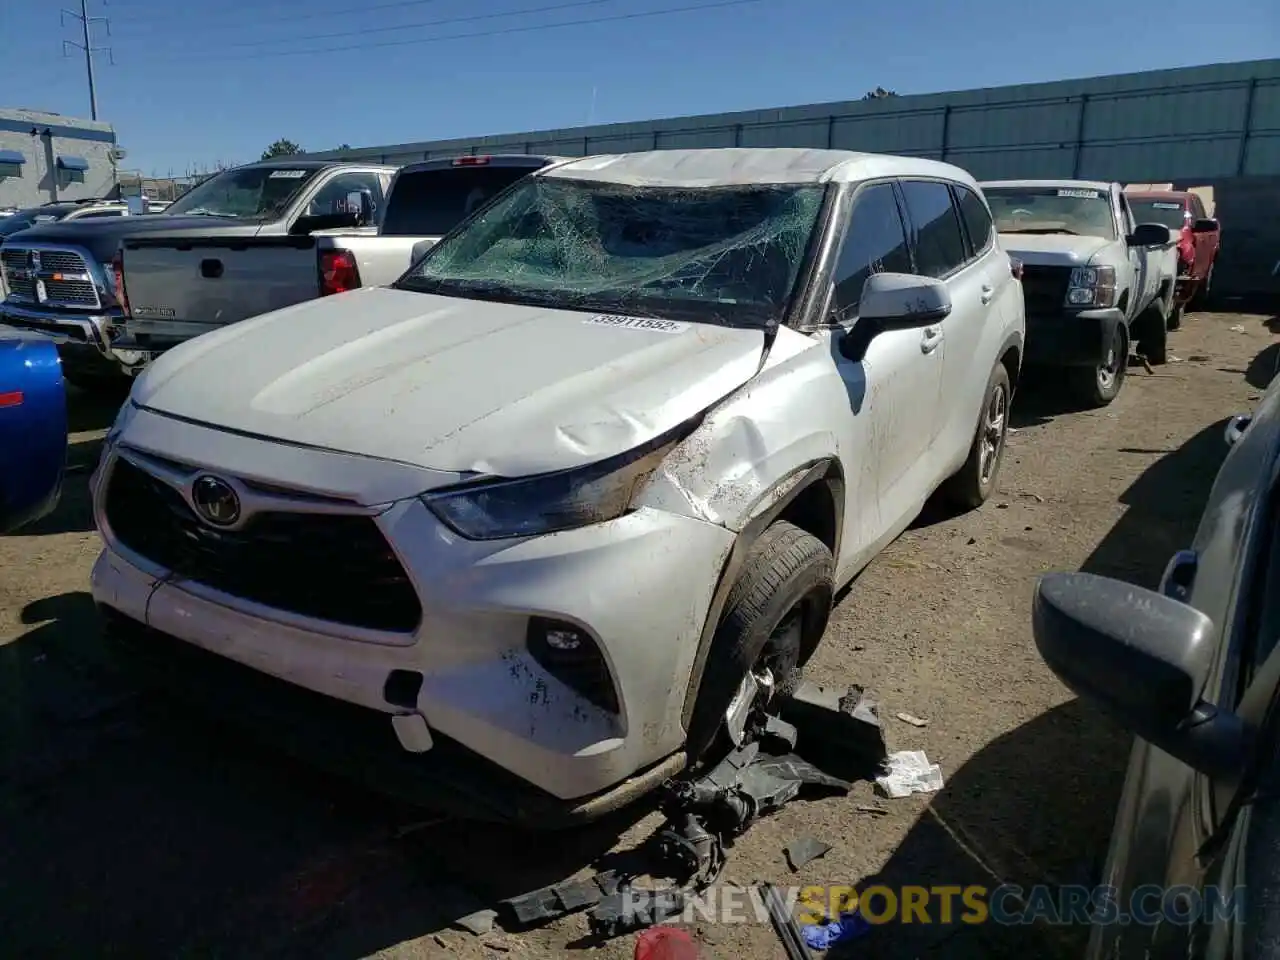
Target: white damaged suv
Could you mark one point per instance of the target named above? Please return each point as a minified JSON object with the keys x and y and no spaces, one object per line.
{"x":530,"y":520}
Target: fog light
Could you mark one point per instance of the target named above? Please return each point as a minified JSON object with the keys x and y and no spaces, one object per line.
{"x":571,"y":655}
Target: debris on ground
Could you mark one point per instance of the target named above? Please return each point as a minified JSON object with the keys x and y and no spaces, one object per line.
{"x":665,"y":943}
{"x":1236,"y":328}
{"x":479,"y":923}
{"x":912,"y":719}
{"x":908,"y":772}
{"x":874,"y":811}
{"x":804,"y":850}
{"x":784,"y":924}
{"x":842,"y":929}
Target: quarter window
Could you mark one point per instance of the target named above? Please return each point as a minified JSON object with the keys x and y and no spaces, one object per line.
{"x":875,"y":243}
{"x":977,"y":218}
{"x":939,"y":242}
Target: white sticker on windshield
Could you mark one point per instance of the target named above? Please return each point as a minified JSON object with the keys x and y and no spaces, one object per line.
{"x":1166,"y":206}
{"x":1080,"y":194}
{"x":639,"y":323}
{"x":44,"y":218}
{"x":286,"y":174}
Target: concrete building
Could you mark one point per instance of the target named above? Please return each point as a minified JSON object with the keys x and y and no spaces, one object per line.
{"x":46,"y":157}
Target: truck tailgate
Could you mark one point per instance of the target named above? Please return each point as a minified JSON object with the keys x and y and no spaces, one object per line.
{"x":180,"y":288}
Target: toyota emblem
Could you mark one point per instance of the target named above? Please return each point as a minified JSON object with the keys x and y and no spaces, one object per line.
{"x":215,"y":501}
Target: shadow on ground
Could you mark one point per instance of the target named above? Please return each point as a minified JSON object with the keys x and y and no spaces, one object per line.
{"x":134,"y":829}
{"x":1036,"y":805}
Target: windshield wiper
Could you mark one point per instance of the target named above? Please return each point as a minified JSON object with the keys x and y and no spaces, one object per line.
{"x":1044,"y":230}
{"x":202,"y":212}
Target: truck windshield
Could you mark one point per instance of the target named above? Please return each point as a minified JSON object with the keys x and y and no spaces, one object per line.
{"x":1170,"y":213}
{"x":247,"y":193}
{"x":430,"y":203}
{"x":1074,"y":211}
{"x":32,"y":217}
{"x":729,"y":255}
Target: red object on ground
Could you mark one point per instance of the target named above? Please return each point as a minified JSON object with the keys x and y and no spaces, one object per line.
{"x":665,"y":943}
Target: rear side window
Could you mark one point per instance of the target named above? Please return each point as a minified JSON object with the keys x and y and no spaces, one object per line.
{"x":875,"y":243}
{"x":977,"y":219}
{"x":939,"y":243}
{"x":430,"y":203}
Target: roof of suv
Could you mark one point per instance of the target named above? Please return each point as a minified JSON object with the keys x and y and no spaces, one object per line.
{"x":723,"y":166}
{"x":1101,"y":185}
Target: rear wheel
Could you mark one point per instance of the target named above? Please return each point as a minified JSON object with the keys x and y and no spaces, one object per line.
{"x":1175,"y":318}
{"x":970,"y":487}
{"x":1153,"y":342}
{"x":774,"y":617}
{"x":1097,"y":386}
{"x":1202,"y":294}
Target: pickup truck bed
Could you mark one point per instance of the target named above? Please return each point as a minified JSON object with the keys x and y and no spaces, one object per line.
{"x":180,"y":287}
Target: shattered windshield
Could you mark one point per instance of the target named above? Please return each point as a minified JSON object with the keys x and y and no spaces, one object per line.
{"x":1069,"y":211}
{"x":723,"y":254}
{"x":248,"y":193}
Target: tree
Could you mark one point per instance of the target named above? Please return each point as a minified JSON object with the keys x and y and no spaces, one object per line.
{"x":343,"y":146}
{"x":281,"y":148}
{"x":879,"y":93}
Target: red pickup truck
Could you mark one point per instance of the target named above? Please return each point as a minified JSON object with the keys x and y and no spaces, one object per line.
{"x":1198,"y":235}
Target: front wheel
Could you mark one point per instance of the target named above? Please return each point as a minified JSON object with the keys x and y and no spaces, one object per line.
{"x":776,"y":613}
{"x":970,"y":487}
{"x":1097,"y":386}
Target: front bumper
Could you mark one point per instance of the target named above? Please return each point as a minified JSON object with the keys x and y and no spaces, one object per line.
{"x":1071,"y":339}
{"x":84,"y":340}
{"x":641,"y":586}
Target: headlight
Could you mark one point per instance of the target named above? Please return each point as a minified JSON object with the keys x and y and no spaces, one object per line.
{"x":1092,"y":287}
{"x":530,"y":506}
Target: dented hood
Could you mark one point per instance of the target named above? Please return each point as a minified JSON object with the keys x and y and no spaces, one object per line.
{"x":456,"y":385}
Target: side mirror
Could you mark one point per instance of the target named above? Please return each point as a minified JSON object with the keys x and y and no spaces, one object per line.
{"x":894,"y":301}
{"x":325,"y":221}
{"x":1205,"y":225}
{"x":1143,"y":658}
{"x":1150,"y":235}
{"x":360,"y":202}
{"x":903,"y":300}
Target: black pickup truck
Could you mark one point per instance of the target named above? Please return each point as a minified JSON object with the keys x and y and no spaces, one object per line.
{"x":65,"y":279}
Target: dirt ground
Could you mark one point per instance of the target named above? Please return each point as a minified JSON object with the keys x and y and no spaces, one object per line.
{"x":134,"y":829}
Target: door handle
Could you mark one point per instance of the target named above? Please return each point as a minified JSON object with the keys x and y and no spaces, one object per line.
{"x":930,"y":340}
{"x":988,"y":292}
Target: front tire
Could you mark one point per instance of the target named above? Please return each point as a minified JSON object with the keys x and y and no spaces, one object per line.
{"x":1098,"y":385}
{"x":776,"y":613}
{"x":970,"y":487}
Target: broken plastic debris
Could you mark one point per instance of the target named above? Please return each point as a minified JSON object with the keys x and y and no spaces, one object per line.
{"x":912,"y":719}
{"x":804,"y":850}
{"x":908,"y":772}
{"x":1236,"y":328}
{"x":479,"y":923}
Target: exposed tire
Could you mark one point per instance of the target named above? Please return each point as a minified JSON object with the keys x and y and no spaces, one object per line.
{"x":1097,"y":386}
{"x":1175,"y":317}
{"x":1153,"y":342}
{"x":973,"y":483}
{"x":786,"y":572}
{"x":1203,"y":293}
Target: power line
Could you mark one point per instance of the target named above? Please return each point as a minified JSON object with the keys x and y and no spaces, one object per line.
{"x":294,"y":17}
{"x":446,"y":21}
{"x":86,"y":23}
{"x":531,"y":28}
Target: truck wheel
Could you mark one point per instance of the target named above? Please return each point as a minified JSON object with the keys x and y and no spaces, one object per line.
{"x":1202,"y":294}
{"x":970,"y":486}
{"x":1097,"y":386}
{"x":1175,"y":317}
{"x":104,"y":385}
{"x":776,"y":613}
{"x":1153,"y":341}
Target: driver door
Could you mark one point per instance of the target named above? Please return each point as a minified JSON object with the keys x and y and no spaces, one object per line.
{"x":893,"y":390}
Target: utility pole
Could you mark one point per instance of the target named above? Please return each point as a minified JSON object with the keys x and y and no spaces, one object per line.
{"x":87,"y":46}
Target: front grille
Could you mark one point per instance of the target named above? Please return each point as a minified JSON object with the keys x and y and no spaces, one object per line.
{"x":1045,"y":288}
{"x":334,"y":567}
{"x":59,"y":290}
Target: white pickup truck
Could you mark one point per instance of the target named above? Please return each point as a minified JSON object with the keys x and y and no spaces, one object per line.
{"x":1096,"y":282}
{"x":180,"y":286}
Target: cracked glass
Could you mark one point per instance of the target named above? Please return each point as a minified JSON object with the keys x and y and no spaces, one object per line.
{"x":723,"y":254}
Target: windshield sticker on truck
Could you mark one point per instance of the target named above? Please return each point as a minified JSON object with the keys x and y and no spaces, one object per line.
{"x":286,"y":174}
{"x":1080,"y":194}
{"x":43,"y":219}
{"x":1166,"y":206}
{"x":639,"y":323}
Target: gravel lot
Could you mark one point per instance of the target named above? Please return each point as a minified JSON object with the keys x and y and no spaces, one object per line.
{"x":135,"y":829}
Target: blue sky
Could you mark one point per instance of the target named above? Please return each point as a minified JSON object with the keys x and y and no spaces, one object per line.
{"x":201,"y":81}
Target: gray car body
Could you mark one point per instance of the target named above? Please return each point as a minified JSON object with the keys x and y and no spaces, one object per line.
{"x":1169,"y":812}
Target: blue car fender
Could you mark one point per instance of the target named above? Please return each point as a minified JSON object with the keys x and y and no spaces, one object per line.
{"x":33,"y":428}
